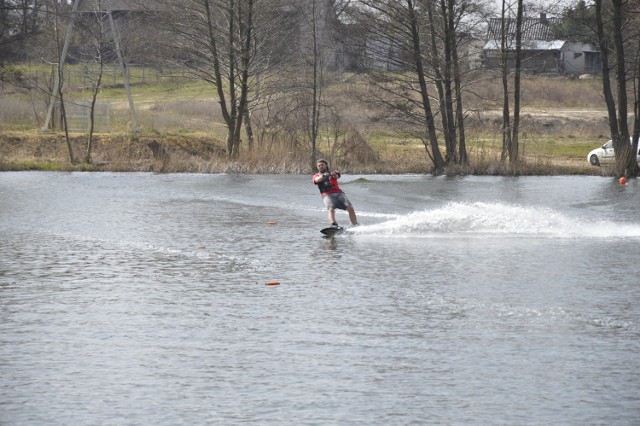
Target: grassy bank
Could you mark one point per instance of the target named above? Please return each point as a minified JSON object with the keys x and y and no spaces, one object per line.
{"x":199,"y":153}
{"x":180,"y":129}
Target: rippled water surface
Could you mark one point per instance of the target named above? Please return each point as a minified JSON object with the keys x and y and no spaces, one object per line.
{"x":142,"y":299}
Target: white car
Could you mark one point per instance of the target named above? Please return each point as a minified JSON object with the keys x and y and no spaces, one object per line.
{"x":605,"y":154}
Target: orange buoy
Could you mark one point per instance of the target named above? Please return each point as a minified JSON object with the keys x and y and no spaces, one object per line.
{"x":623,"y":180}
{"x":272,"y":283}
{"x":272,"y":222}
{"x":201,"y":247}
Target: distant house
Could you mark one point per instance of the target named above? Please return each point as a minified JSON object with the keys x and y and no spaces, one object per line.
{"x":541,"y":53}
{"x":581,"y":58}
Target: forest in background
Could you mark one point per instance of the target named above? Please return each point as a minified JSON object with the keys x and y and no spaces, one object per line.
{"x":279,"y":78}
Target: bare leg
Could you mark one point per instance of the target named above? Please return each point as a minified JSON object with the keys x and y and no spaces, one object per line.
{"x":352,"y":215}
{"x":332,"y":215}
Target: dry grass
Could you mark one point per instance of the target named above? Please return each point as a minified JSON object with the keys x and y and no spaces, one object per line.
{"x":560,"y":124}
{"x":198,"y":153}
{"x":485,"y":90}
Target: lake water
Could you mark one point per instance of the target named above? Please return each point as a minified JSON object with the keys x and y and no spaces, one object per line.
{"x":142,"y":299}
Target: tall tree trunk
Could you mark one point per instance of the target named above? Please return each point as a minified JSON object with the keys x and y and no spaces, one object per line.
{"x":60,"y":86}
{"x":504,"y":67}
{"x":436,"y":64}
{"x":245,"y":40}
{"x":213,"y":50}
{"x":634,"y":170}
{"x":513,"y":147}
{"x":248,"y":128}
{"x":92,"y":113}
{"x":63,"y":116}
{"x":463,"y":158}
{"x":316,"y":90}
{"x":232,"y":142}
{"x":448,"y":82}
{"x":606,"y":76}
{"x":457,"y":78}
{"x":449,"y":41}
{"x":625,"y":157}
{"x":99,"y":46}
{"x":621,"y":73}
{"x":438,"y":161}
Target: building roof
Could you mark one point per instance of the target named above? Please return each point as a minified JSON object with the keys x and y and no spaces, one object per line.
{"x":532,"y":28}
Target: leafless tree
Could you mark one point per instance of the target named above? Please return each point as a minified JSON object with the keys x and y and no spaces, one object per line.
{"x":226,"y":43}
{"x":94,"y":30}
{"x":61,"y":16}
{"x":395,"y":44}
{"x":311,"y":65}
{"x":510,"y":42}
{"x":613,"y":42}
{"x":444,"y":39}
{"x":302,"y":75}
{"x":413,"y":50}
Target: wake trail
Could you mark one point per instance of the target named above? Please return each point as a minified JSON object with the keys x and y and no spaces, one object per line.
{"x":496,"y":220}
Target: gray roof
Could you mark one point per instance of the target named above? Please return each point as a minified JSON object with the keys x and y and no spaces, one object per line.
{"x":532,"y":28}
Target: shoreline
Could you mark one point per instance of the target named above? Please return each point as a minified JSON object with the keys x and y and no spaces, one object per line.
{"x":22,"y":151}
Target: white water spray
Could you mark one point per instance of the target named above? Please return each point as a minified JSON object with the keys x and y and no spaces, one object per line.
{"x":488,"y":220}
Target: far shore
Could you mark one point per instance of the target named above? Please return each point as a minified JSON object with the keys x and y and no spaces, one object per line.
{"x":199,"y":154}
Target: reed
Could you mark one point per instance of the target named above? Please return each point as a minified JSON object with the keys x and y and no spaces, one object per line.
{"x":197,"y":153}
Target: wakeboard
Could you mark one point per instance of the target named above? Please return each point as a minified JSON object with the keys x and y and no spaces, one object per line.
{"x":331,"y":231}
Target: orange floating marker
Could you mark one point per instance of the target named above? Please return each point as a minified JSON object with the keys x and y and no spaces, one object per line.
{"x":272,"y":283}
{"x":272,"y":222}
{"x":623,"y":180}
{"x":201,"y":247}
